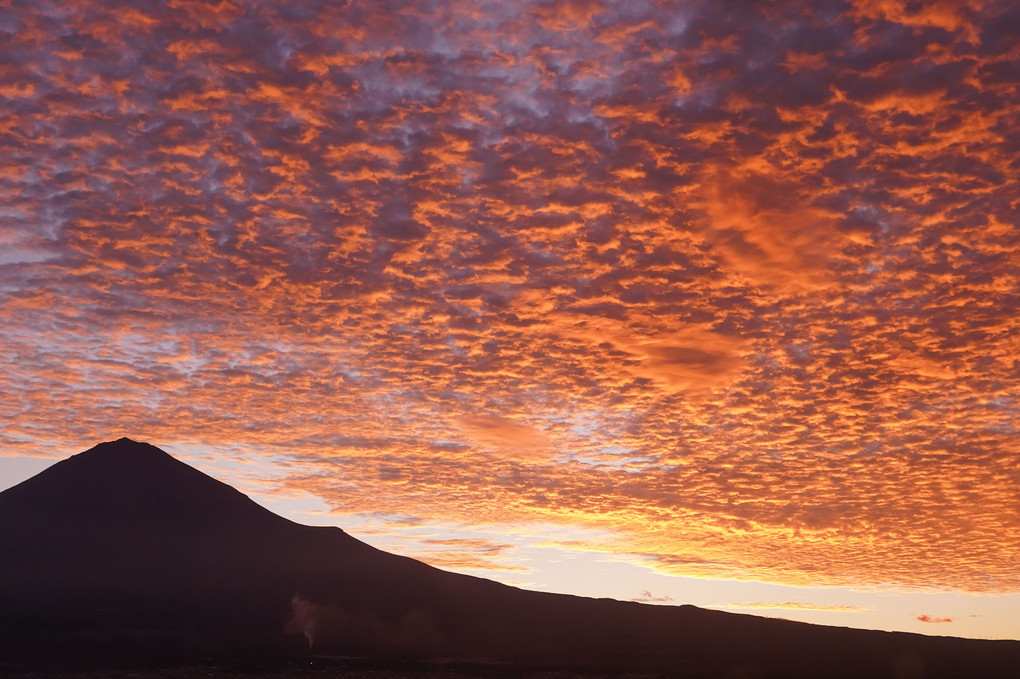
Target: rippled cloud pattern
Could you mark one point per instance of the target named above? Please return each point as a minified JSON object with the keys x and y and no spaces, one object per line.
{"x":735,"y":283}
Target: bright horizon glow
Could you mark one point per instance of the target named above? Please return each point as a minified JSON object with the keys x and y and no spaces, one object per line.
{"x":636,"y":299}
{"x":530,"y":557}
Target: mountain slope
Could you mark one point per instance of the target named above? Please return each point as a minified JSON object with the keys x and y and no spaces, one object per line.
{"x":123,"y":551}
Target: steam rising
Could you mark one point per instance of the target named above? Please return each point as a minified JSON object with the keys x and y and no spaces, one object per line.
{"x":302,"y":618}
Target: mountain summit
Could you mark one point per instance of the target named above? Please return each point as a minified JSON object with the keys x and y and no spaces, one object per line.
{"x":124,"y":553}
{"x":126,"y":482}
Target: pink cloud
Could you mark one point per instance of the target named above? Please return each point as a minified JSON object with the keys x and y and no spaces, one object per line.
{"x":714,"y":281}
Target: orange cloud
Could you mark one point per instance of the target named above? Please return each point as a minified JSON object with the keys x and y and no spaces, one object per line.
{"x":505,"y":436}
{"x":734,"y":291}
{"x":465,"y":554}
{"x":800,"y":606}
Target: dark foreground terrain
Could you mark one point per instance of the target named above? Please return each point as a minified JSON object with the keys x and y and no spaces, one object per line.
{"x":323,"y":668}
{"x":123,"y":557}
{"x":314,"y":669}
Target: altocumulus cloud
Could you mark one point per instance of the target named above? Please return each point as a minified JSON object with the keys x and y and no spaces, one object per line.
{"x":663,"y":269}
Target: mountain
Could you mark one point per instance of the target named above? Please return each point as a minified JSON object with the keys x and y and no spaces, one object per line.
{"x":124,"y":553}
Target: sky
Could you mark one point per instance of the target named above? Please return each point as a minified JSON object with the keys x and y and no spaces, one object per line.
{"x":680,"y":302}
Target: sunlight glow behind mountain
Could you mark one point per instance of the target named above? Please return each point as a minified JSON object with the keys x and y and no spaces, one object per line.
{"x":723,"y":300}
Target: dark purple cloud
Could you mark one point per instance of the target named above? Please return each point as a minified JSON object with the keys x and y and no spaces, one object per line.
{"x":740,"y":285}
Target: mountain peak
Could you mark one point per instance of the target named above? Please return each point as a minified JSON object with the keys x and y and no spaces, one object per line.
{"x":127,"y":481}
{"x":123,"y":549}
{"x":125,"y":451}
{"x":123,"y":447}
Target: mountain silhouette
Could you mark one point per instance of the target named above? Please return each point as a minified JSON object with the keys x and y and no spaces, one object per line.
{"x":123,"y":552}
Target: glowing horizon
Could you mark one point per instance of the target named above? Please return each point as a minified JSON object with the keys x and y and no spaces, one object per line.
{"x":724,"y":296}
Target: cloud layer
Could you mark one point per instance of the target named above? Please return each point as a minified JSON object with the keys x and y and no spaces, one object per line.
{"x":738,"y":286}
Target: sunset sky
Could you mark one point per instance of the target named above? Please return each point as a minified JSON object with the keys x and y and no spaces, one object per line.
{"x":684,"y":302}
